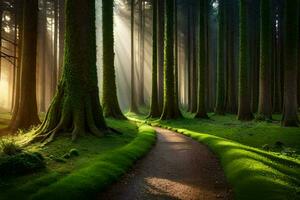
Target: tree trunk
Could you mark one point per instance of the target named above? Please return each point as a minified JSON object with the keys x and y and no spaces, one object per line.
{"x":26,"y":116}
{"x":54,"y":70}
{"x":141,"y":101}
{"x":265,"y":101}
{"x":176,"y":70}
{"x":160,"y":52}
{"x":202,"y":64}
{"x":154,"y":108}
{"x":19,"y":57}
{"x":290,"y":116}
{"x":170,"y":110}
{"x":133,"y":103}
{"x":194,"y":65}
{"x":244,"y":108}
{"x":61,"y":36}
{"x":220,"y":101}
{"x":110,"y":102}
{"x":76,"y":107}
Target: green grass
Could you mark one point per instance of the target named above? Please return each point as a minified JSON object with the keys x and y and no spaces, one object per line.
{"x":252,"y":172}
{"x":100,"y":162}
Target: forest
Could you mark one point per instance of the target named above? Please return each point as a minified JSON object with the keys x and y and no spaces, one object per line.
{"x":150,"y":99}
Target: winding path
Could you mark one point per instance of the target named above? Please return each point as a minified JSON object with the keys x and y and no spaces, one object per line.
{"x":177,"y":168}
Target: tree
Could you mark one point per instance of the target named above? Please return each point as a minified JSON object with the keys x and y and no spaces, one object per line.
{"x":133,"y":103}
{"x":244,"y":108}
{"x":220,"y":101}
{"x":170,"y":111}
{"x":154,"y":108}
{"x":110,"y":103}
{"x":76,"y":107}
{"x":265,"y":100}
{"x":26,"y":116}
{"x":202,"y":64}
{"x":290,"y":107}
{"x":160,"y":51}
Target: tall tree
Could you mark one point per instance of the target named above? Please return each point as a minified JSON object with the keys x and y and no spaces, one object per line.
{"x":231,"y":64}
{"x":20,"y":8}
{"x":244,"y":108}
{"x":265,"y":100}
{"x":290,"y":107}
{"x":160,"y":51}
{"x":133,"y":103}
{"x":220,"y":101}
{"x":26,"y":116}
{"x":170,"y":110}
{"x":110,"y":103}
{"x":202,"y":64}
{"x":76,"y":106}
{"x":141,"y":9}
{"x":154,"y":108}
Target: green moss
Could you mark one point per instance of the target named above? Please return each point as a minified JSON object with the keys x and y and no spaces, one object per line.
{"x":101,"y":162}
{"x":253,"y":172}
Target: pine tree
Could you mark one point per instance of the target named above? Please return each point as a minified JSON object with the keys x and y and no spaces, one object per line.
{"x":110,"y":102}
{"x":244,"y":108}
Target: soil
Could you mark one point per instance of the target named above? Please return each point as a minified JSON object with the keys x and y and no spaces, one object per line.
{"x":177,"y":168}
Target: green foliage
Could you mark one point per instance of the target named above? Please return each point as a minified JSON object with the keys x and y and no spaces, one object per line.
{"x":9,"y":147}
{"x":74,"y":152}
{"x":20,"y":164}
{"x":107,"y":168}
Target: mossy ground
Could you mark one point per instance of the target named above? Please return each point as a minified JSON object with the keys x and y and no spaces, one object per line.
{"x":253,"y":172}
{"x":100,"y":162}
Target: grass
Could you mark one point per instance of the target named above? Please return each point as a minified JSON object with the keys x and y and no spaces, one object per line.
{"x":100,"y":162}
{"x":252,"y":172}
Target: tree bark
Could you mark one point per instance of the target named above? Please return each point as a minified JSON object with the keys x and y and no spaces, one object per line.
{"x":290,"y":107}
{"x":170,"y":110}
{"x":202,"y":63}
{"x":244,"y":108}
{"x":154,"y":107}
{"x":265,"y":101}
{"x":220,"y":101}
{"x":133,"y":103}
{"x":76,"y":107}
{"x":160,"y":52}
{"x":110,"y":102}
{"x":26,"y":115}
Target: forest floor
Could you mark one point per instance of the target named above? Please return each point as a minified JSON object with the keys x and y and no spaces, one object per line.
{"x":176,"y":168}
{"x":261,"y":160}
{"x":99,"y":163}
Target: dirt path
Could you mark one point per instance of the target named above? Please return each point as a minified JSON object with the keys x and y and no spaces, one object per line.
{"x":176,"y":168}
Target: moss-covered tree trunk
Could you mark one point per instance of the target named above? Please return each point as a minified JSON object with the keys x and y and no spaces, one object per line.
{"x":154,"y":107}
{"x":265,"y":100}
{"x":202,"y":60}
{"x":110,"y":102}
{"x":76,"y":107}
{"x":220,"y":100}
{"x":244,"y":108}
{"x":26,"y":116}
{"x":290,"y":107}
{"x":133,"y":98}
{"x":170,"y":110}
